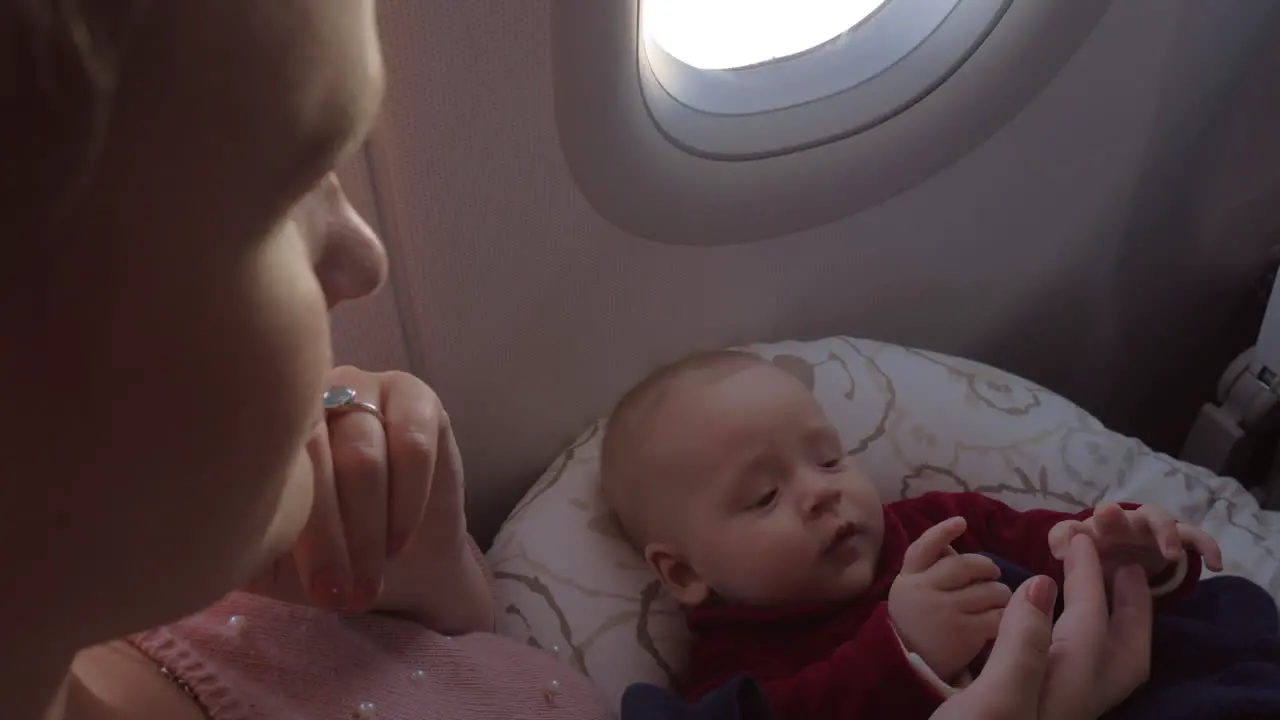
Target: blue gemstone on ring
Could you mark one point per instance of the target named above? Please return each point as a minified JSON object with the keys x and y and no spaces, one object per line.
{"x":336,"y":397}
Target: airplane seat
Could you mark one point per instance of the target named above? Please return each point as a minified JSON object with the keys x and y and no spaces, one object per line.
{"x":915,"y":421}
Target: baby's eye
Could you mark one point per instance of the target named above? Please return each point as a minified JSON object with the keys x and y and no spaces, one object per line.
{"x":833,"y":463}
{"x":765,"y":500}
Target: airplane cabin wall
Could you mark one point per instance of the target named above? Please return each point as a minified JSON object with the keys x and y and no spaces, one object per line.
{"x":1095,"y":244}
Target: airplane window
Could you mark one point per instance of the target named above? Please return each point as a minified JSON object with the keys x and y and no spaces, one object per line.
{"x":728,"y":34}
{"x":743,"y":79}
{"x":704,"y":122}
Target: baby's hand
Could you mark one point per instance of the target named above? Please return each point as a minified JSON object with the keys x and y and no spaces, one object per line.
{"x":946,"y":606}
{"x":1148,"y":537}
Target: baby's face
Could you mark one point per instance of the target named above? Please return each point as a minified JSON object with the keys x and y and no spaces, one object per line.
{"x":768,"y":509}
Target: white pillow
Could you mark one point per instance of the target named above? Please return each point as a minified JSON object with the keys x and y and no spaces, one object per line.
{"x":915,"y":421}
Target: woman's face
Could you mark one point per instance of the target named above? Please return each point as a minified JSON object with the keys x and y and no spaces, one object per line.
{"x":168,"y":356}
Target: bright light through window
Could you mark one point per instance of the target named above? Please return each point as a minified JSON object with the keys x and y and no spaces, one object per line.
{"x":723,"y":34}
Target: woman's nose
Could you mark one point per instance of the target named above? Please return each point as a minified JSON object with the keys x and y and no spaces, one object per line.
{"x":351,"y":262}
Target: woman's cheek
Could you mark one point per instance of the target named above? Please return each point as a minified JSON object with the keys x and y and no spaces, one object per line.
{"x":296,"y":333}
{"x":294,"y":360}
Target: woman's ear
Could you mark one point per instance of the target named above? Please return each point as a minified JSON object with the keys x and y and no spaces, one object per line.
{"x":678,"y":577}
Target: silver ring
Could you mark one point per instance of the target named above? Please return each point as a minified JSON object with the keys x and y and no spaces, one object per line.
{"x":338,"y":399}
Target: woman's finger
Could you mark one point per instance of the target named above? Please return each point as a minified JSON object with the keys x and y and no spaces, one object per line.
{"x":1060,"y":537}
{"x":359,"y":446}
{"x":321,"y":550}
{"x":1131,"y":610}
{"x":1012,"y":678}
{"x":932,"y":545}
{"x":444,"y":519}
{"x":1079,"y":636}
{"x":1128,"y":656}
{"x":415,"y":420}
{"x":1203,"y":544}
{"x":958,"y":571}
{"x":1111,"y":521}
{"x":1083,"y":587}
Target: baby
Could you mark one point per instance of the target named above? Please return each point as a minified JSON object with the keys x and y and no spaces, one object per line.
{"x":726,"y":474}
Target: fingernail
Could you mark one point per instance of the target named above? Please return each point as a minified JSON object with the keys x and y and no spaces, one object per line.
{"x":364,"y":594}
{"x":1043,"y":593}
{"x":328,"y":589}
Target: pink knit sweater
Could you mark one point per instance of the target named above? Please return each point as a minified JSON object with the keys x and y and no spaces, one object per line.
{"x":251,"y":657}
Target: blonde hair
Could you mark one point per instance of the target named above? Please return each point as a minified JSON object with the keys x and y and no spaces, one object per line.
{"x":624,"y":477}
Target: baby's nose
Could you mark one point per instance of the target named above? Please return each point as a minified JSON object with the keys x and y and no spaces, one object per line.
{"x":822,"y":498}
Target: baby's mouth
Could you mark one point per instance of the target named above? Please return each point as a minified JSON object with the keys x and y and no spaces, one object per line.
{"x":843,"y":535}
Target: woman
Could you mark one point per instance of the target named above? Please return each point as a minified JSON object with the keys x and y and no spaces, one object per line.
{"x":176,"y":241}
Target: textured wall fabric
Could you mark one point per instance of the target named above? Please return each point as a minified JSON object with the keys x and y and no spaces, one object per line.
{"x":368,"y":332}
{"x":1054,"y":250}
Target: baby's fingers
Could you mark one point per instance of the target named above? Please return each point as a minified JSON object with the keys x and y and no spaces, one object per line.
{"x":1203,"y":544}
{"x":982,"y":597}
{"x":933,"y":545}
{"x":986,"y":625}
{"x":1164,"y":529}
{"x":1060,"y":536}
{"x":1112,"y":522}
{"x":959,"y":571}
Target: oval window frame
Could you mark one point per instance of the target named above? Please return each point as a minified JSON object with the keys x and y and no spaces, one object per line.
{"x":897,"y":56}
{"x":650,"y":184}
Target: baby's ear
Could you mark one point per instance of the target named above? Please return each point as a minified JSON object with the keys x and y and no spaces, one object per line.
{"x":678,"y":577}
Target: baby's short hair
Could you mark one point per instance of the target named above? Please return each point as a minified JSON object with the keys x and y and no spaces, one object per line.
{"x":623,"y":475}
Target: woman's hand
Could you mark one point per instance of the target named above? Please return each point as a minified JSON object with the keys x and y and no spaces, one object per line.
{"x":387,"y":522}
{"x":1086,"y":664}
